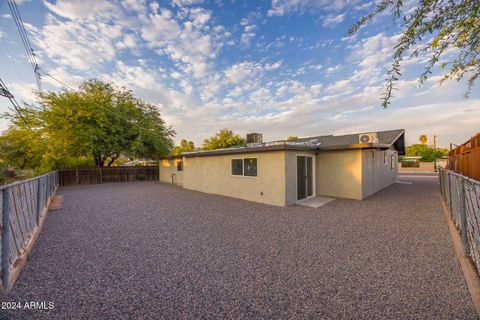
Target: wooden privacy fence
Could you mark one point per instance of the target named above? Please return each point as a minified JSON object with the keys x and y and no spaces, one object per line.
{"x":69,"y":177}
{"x":465,"y":159}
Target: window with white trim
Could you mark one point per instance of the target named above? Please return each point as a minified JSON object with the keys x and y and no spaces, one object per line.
{"x":244,"y":167}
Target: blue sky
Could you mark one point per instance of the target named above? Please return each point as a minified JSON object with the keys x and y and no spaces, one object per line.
{"x":279,"y":67}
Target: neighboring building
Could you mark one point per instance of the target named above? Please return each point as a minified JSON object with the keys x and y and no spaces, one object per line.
{"x":284,"y":172}
{"x":171,"y":170}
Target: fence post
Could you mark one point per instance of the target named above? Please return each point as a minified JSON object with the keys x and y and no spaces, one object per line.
{"x":5,"y":238}
{"x":39,"y":199}
{"x":450,"y":195}
{"x":440,"y":179}
{"x":463,"y":217}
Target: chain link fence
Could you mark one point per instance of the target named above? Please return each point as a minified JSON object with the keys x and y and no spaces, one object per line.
{"x":462,"y":198}
{"x":22,"y":206}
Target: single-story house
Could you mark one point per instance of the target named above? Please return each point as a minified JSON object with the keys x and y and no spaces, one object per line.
{"x":285,"y":172}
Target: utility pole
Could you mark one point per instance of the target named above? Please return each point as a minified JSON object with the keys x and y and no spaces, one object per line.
{"x":435,"y":149}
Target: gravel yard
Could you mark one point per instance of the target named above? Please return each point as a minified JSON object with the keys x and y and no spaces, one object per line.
{"x":146,"y":250}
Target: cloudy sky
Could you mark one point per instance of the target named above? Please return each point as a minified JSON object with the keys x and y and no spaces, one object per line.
{"x":279,"y":67}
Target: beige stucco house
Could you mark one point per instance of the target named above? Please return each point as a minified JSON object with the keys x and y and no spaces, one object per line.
{"x":283,"y":173}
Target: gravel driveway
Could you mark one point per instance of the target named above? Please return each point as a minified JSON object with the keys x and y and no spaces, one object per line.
{"x":146,"y":250}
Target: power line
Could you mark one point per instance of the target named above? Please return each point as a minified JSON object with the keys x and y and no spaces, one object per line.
{"x":65,"y":86}
{"x":6,"y":93}
{"x":21,"y":29}
{"x":26,"y":41}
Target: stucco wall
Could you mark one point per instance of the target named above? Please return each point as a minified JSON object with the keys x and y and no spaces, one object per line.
{"x":339,"y":174}
{"x":167,"y":168}
{"x":376,"y":173}
{"x":213,"y":175}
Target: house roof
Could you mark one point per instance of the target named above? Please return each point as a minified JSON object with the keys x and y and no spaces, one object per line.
{"x":386,"y":139}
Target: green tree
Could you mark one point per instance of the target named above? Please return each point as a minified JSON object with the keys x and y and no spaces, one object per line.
{"x":98,"y":121}
{"x":425,"y":152}
{"x":223,"y":139}
{"x":439,"y":29}
{"x":22,"y":145}
{"x":423,"y":139}
{"x":292,"y":138}
{"x":21,"y":148}
{"x":105,"y":122}
{"x":184,"y":146}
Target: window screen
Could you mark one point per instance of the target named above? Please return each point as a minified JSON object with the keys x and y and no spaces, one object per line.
{"x":179,"y":165}
{"x":250,"y":167}
{"x":237,"y":167}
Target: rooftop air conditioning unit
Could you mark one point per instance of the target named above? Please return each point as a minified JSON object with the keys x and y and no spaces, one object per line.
{"x":368,"y":138}
{"x":254,"y":138}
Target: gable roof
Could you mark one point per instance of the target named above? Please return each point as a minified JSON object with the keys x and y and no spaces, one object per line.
{"x":386,"y":140}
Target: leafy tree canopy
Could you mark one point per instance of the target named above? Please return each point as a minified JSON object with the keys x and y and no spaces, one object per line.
{"x":99,"y":122}
{"x":223,"y":139}
{"x":434,"y":27}
{"x":427,"y":153}
{"x":184,"y":146}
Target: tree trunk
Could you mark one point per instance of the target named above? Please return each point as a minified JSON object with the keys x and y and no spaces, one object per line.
{"x":111,"y":161}
{"x":99,"y":161}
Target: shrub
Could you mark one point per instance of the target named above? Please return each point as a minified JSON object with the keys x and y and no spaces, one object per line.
{"x":410,"y":164}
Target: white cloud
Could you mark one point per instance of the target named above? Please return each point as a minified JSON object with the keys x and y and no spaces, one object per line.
{"x":333,"y":20}
{"x":82,"y":9}
{"x":374,"y":50}
{"x":333,"y":69}
{"x":188,"y":44}
{"x":61,"y":74}
{"x":242,"y":71}
{"x":199,"y":17}
{"x":161,"y":28}
{"x":23,"y":91}
{"x":249,"y":31}
{"x":130,"y":40}
{"x":340,"y":86}
{"x":273,"y":66}
{"x":282,"y":7}
{"x":182,"y":3}
{"x":78,"y":45}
